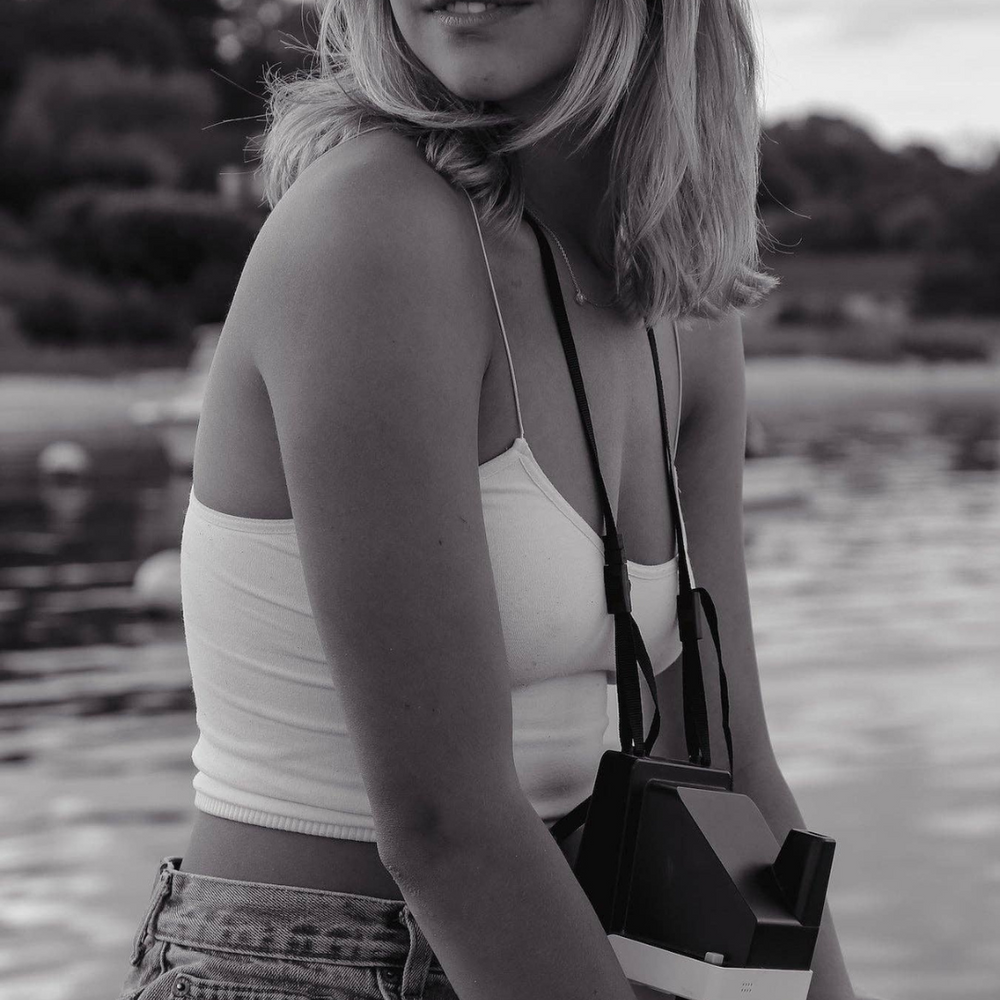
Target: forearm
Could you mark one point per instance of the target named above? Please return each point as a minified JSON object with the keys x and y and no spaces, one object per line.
{"x":506,"y":917}
{"x":772,"y":796}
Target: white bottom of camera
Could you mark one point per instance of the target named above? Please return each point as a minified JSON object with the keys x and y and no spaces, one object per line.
{"x":695,"y":979}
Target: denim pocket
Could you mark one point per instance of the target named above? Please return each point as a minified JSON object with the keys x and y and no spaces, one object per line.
{"x":203,"y":974}
{"x":188,"y":987}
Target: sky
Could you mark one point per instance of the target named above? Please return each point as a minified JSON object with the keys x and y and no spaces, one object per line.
{"x":907,"y":70}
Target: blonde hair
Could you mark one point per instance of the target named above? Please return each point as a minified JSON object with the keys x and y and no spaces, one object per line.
{"x":676,"y":82}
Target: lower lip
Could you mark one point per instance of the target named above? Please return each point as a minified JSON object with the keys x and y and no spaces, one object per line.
{"x":453,"y":19}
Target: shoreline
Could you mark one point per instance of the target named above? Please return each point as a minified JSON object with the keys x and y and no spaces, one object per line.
{"x":787,"y":386}
{"x":775,"y":385}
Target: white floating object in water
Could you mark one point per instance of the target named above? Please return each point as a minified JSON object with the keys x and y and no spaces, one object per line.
{"x":64,"y":458}
{"x":157,"y":582}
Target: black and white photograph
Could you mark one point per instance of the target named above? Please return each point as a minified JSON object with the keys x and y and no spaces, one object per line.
{"x":499,"y":500}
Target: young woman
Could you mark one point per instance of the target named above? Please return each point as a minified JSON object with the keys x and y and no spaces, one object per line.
{"x":392,"y":561}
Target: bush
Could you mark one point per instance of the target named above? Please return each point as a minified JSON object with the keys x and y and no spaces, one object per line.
{"x":64,"y":111}
{"x":137,"y":32}
{"x":52,"y":305}
{"x":951,"y":340}
{"x":155,"y":235}
{"x":210,"y":293}
{"x":822,"y":224}
{"x":958,"y":284}
{"x":63,"y":222}
{"x":817,"y":311}
{"x":125,"y":161}
{"x":14,"y":238}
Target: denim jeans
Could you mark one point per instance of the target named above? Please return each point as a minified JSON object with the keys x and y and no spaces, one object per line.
{"x":207,"y":938}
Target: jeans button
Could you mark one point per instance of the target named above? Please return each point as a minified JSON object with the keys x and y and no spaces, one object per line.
{"x":180,"y":986}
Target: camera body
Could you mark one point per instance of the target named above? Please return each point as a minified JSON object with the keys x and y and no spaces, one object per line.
{"x":691,"y":886}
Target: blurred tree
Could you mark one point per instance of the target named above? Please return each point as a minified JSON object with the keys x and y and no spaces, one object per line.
{"x":54,"y":305}
{"x":958,"y":283}
{"x":975,"y":216}
{"x":14,"y":236}
{"x":965,"y":277}
{"x":194,"y":21}
{"x":827,"y":185}
{"x":923,"y":171}
{"x":157,"y":235}
{"x":838,"y":156}
{"x":136,"y":32}
{"x":226,"y":43}
{"x":823,"y":224}
{"x":94,"y":118}
{"x":783,"y":183}
{"x":916,"y":222}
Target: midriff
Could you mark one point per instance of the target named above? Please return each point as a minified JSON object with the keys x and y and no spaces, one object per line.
{"x":229,"y":849}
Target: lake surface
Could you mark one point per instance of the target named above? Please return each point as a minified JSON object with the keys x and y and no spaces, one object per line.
{"x":874,"y":568}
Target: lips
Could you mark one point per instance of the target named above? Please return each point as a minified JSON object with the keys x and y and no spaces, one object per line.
{"x":433,"y":5}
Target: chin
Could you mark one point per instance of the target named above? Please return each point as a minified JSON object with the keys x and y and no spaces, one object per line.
{"x":519,"y":93}
{"x":477,"y":87}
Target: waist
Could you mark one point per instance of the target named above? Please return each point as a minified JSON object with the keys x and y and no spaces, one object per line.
{"x":225,"y":848}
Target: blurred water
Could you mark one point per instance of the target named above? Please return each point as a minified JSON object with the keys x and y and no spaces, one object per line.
{"x":876,"y":625}
{"x":874,"y":573}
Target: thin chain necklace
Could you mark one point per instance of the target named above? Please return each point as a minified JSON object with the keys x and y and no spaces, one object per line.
{"x":579,"y":296}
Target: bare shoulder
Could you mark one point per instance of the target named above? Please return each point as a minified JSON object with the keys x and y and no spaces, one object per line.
{"x":383,"y":163}
{"x":381,"y":172}
{"x":713,"y":364}
{"x":368,"y":226}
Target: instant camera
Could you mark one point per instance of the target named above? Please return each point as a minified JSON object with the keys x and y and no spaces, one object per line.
{"x":697,"y":897}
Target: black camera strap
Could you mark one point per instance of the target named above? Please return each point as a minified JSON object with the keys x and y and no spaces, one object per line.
{"x":693,"y":603}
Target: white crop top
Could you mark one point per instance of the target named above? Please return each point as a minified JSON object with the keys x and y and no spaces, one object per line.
{"x":274,"y":748}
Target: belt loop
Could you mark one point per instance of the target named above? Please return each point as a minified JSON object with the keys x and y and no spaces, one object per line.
{"x":161,"y":889}
{"x":418,"y":958}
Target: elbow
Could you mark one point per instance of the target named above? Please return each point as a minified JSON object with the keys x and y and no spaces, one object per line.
{"x":413,"y":836}
{"x":415,"y":841}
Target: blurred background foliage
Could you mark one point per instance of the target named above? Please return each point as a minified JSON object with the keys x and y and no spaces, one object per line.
{"x":116,"y":120}
{"x":128,"y":202}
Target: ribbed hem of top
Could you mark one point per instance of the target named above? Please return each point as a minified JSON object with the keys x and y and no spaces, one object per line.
{"x":261,"y":817}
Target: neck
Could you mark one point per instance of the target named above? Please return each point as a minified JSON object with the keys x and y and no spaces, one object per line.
{"x":568,"y":190}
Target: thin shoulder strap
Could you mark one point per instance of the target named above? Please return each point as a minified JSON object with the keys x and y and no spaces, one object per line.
{"x":674,"y":484}
{"x":680,"y":389}
{"x":503,"y":329}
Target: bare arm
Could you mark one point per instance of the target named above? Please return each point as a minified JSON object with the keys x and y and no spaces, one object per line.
{"x":710,"y":448}
{"x":370,"y":318}
{"x":710,"y":472}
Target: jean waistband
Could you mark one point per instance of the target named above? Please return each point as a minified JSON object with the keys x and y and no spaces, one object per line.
{"x":281,"y":921}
